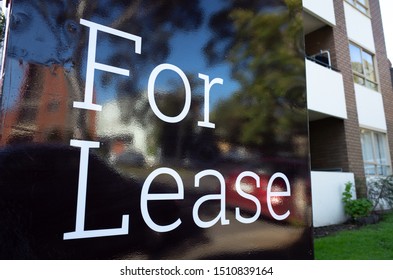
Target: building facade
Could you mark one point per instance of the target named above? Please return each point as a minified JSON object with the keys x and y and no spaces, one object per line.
{"x":349,"y":89}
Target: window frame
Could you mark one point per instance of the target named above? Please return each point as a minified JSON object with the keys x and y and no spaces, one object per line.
{"x":358,"y":5}
{"x":376,"y":162}
{"x":363,"y":75}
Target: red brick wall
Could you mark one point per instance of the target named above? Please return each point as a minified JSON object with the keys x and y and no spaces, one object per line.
{"x":353,"y":161}
{"x":327,"y":144}
{"x":383,"y":64}
{"x":321,"y":39}
{"x":335,"y":143}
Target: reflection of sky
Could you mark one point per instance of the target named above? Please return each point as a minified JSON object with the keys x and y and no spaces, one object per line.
{"x":15,"y":78}
{"x":186,"y":52}
{"x":35,"y":41}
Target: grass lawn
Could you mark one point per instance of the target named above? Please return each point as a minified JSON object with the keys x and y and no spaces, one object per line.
{"x":372,"y":242}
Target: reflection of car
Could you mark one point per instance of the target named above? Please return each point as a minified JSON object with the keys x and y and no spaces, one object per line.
{"x":130,"y":158}
{"x":38,"y":204}
{"x":38,"y":199}
{"x":289,"y":208}
{"x":280,"y":204}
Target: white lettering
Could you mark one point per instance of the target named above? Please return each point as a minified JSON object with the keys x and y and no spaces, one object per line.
{"x":92,"y":64}
{"x":270,"y":194}
{"x":248,"y":196}
{"x":205,"y":198}
{"x":150,"y":92}
{"x":85,"y":147}
{"x":146,"y":196}
{"x":206,"y":122}
{"x":80,"y":231}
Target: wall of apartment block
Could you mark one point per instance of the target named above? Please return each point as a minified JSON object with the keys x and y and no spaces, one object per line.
{"x":353,"y":161}
{"x":383,"y":66}
{"x":327,"y":145}
{"x":320,"y":40}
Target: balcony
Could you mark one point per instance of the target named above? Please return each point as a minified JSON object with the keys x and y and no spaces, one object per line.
{"x":325,"y":92}
{"x":355,"y":21}
{"x":327,"y":189}
{"x":370,"y":108}
{"x":318,"y":13}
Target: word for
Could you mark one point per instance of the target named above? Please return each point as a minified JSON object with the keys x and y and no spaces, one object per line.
{"x":92,"y":65}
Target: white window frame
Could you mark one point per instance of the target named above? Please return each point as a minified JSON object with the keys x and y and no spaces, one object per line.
{"x":363,"y":8}
{"x":376,"y":161}
{"x":362,"y":76}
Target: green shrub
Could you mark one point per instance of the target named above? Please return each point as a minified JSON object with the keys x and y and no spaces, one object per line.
{"x":2,"y":26}
{"x":355,"y":208}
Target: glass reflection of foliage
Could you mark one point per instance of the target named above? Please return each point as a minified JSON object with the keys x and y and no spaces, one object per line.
{"x":65,"y":44}
{"x":174,"y":139}
{"x":2,"y":25}
{"x":265,"y":48}
{"x":159,"y":18}
{"x":156,"y":22}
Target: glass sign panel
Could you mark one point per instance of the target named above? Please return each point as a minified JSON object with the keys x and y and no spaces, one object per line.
{"x":154,"y":130}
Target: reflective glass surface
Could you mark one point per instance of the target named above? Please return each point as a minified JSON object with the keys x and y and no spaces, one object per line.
{"x":154,"y":129}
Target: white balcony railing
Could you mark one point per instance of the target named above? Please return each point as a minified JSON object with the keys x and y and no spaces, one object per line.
{"x":325,"y":91}
{"x":321,"y":9}
{"x":327,"y":189}
{"x":370,"y":108}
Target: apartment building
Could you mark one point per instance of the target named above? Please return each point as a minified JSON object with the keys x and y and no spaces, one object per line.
{"x":350,"y":93}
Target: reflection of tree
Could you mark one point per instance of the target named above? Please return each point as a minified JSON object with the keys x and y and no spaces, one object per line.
{"x":358,"y":67}
{"x":156,"y":21}
{"x":183,"y":141}
{"x":2,"y":25}
{"x":263,"y":43}
{"x":174,"y":139}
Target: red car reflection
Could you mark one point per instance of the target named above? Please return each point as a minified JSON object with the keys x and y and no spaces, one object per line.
{"x":248,"y":199}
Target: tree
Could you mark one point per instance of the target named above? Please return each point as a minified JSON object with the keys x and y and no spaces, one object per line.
{"x":262,"y":41}
{"x":63,"y":41}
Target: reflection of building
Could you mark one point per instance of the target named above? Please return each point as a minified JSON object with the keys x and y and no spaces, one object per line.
{"x":122,"y":135}
{"x":43,"y":109}
{"x":128,"y":125}
{"x":349,"y":90}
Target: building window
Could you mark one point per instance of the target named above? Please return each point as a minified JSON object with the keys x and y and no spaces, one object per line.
{"x":375,"y":153}
{"x":363,"y":67}
{"x":361,"y":5}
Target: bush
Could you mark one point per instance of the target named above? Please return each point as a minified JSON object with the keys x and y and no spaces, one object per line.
{"x":2,"y":26}
{"x":355,"y":208}
{"x":380,"y":191}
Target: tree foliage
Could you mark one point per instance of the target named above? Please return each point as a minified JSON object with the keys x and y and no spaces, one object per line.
{"x":264,"y":48}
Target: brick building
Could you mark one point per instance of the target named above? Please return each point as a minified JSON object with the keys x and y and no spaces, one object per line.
{"x":349,"y":89}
